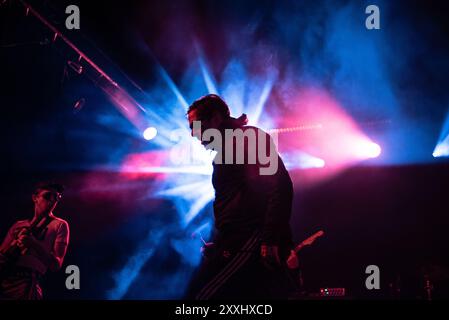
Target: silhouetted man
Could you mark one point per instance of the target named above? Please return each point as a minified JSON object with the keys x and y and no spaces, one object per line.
{"x":252,"y":208}
{"x":33,"y":246}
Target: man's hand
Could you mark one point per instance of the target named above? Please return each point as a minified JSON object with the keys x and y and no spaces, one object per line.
{"x":270,"y":256}
{"x":26,"y":241}
{"x":293,"y":261}
{"x":208,"y":249}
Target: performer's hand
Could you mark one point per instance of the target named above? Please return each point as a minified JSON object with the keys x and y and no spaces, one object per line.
{"x":270,"y":256}
{"x":25,"y":241}
{"x":19,"y":237}
{"x":208,"y":249}
{"x":293,"y":261}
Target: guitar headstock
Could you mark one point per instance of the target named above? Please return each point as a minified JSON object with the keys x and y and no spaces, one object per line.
{"x":312,"y":238}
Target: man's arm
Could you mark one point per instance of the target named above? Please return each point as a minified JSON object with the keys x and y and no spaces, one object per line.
{"x":7,"y":240}
{"x":277,"y":215}
{"x":60,"y":246}
{"x":55,"y":258}
{"x":278,"y":189}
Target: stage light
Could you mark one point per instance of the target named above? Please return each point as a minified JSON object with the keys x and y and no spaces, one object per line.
{"x":370,"y":150}
{"x":442,"y":148}
{"x":301,"y":160}
{"x":149,"y":133}
{"x":319,"y":163}
{"x":373,"y":150}
{"x":75,"y":66}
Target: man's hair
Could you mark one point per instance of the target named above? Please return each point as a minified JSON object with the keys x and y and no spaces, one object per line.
{"x":209,"y":105}
{"x":48,"y":185}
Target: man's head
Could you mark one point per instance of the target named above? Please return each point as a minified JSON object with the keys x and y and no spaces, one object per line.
{"x":211,"y":110}
{"x":46,"y":196}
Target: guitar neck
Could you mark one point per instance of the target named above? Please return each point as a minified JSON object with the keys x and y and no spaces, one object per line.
{"x":308,"y":241}
{"x":37,"y":226}
{"x":299,"y":247}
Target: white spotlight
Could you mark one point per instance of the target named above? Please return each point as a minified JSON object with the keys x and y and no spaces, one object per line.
{"x":149,"y":133}
{"x":371,"y":150}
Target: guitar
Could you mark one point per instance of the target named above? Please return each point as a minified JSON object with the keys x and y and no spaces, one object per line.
{"x":9,"y":257}
{"x":292,"y":261}
{"x":309,"y":240}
